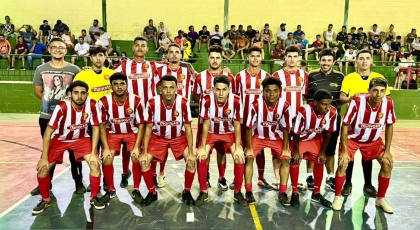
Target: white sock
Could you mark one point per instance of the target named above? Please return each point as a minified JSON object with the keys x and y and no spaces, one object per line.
{"x":330,"y":176}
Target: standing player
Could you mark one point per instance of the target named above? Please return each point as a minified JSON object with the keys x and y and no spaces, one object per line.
{"x":50,"y":82}
{"x":356,"y":84}
{"x":222,"y":114}
{"x":67,"y":130}
{"x":268,"y":116}
{"x":168,"y":125}
{"x":123,"y":112}
{"x":363,"y":123}
{"x":312,"y":130}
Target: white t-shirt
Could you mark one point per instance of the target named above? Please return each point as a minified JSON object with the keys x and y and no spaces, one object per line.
{"x":407,"y":63}
{"x":415,"y":44}
{"x":349,"y":55}
{"x":165,"y":41}
{"x":66,"y":39}
{"x":94,"y":29}
{"x":87,"y":39}
{"x":329,"y":35}
{"x":81,"y":49}
{"x":214,"y":33}
{"x":104,"y":38}
{"x":282,"y":34}
{"x":377,"y":32}
{"x":385,"y":47}
{"x":99,"y":43}
{"x":165,"y":30}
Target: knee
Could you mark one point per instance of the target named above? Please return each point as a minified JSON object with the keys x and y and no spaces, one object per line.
{"x":94,"y":166}
{"x":108,"y":161}
{"x":285,"y":163}
{"x":191,"y":166}
{"x":144,"y":167}
{"x":238,"y":161}
{"x":43,"y":172}
{"x":386,"y":166}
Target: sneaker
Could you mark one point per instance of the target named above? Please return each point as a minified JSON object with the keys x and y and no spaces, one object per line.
{"x":223,"y":184}
{"x":250,"y":198}
{"x":347,"y":189}
{"x":80,"y":187}
{"x":294,"y":200}
{"x":321,"y":199}
{"x":11,"y":68}
{"x":124,"y":179}
{"x":276,"y":186}
{"x":155,"y":180}
{"x":264,"y":184}
{"x":208,"y":179}
{"x":22,"y":68}
{"x":239,"y":197}
{"x":137,"y":197}
{"x":89,"y":188}
{"x":150,"y":198}
{"x":337,"y":203}
{"x":202,"y":197}
{"x":232,"y":185}
{"x":35,"y":191}
{"x":161,"y":181}
{"x":330,"y":184}
{"x":310,"y":182}
{"x":187,"y":198}
{"x":108,"y":196}
{"x":370,"y":190}
{"x":41,"y":206}
{"x":383,"y":203}
{"x":97,"y":203}
{"x":284,"y":200}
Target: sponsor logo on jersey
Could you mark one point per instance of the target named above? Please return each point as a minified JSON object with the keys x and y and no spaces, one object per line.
{"x":221,"y":119}
{"x":253,"y":91}
{"x":292,"y":88}
{"x":106,"y":77}
{"x":129,"y":111}
{"x":168,"y":123}
{"x":138,"y":76}
{"x":228,"y":111}
{"x":180,"y":86}
{"x":208,"y":91}
{"x":268,"y":123}
{"x":370,"y":125}
{"x":300,"y":79}
{"x":100,"y":88}
{"x":360,"y":94}
{"x":316,"y":130}
{"x":182,"y":76}
{"x":121,"y":120}
{"x":77,"y":127}
{"x":323,"y":121}
{"x":85,"y":116}
{"x":380,"y":115}
{"x":176,"y":113}
{"x":277,"y":116}
{"x":260,"y":81}
{"x":145,"y":66}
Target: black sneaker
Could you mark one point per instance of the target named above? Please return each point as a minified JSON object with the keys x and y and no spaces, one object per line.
{"x":239,"y":197}
{"x":330,"y":184}
{"x":80,"y":187}
{"x":250,"y":198}
{"x":223,"y":184}
{"x":150,"y":198}
{"x":187,"y":198}
{"x":347,"y":189}
{"x":97,"y":203}
{"x":89,"y":188}
{"x":11,"y":68}
{"x":41,"y":206}
{"x":108,"y":196}
{"x":202,"y":197}
{"x":35,"y":191}
{"x":284,"y":200}
{"x":124,"y":179}
{"x":310,"y":182}
{"x":208,"y":179}
{"x":155,"y":180}
{"x":321,"y":199}
{"x":370,"y":190}
{"x":22,"y":68}
{"x":264,"y":184}
{"x":294,"y":201}
{"x":137,"y":197}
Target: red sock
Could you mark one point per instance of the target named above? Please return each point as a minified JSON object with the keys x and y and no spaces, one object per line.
{"x":148,"y":178}
{"x":238,"y":171}
{"x":125,"y":159}
{"x":94,"y":184}
{"x":383,"y":184}
{"x":189,"y":178}
{"x":202,"y":175}
{"x":294,"y":176}
{"x":44,"y":185}
{"x":222,"y":170}
{"x":283,"y":188}
{"x":339,"y":182}
{"x":162,"y":165}
{"x":109,"y":176}
{"x":153,"y":166}
{"x":136,"y":175}
{"x":248,"y":187}
{"x":260,"y":159}
{"x":318,"y":175}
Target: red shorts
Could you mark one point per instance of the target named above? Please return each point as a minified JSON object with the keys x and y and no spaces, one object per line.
{"x":276,"y":146}
{"x":158,"y":147}
{"x":309,"y":150}
{"x":369,"y":151}
{"x":221,"y":142}
{"x":116,"y":140}
{"x":81,"y":147}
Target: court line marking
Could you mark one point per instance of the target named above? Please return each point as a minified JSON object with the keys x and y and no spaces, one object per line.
{"x":16,"y":82}
{"x":255,"y":217}
{"x":406,"y":151}
{"x":17,"y":143}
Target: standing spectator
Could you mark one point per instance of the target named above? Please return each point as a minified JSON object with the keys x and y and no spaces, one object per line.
{"x":303,"y":42}
{"x":348,"y":43}
{"x":318,"y":45}
{"x":163,"y":29}
{"x":282,"y":33}
{"x":298,"y":33}
{"x":54,"y":34}
{"x":9,"y":29}
{"x":289,"y":40}
{"x":342,"y":35}
{"x":242,"y":45}
{"x":257,"y":41}
{"x":21,"y":49}
{"x":375,"y":45}
{"x":36,"y":49}
{"x":410,"y":39}
{"x":329,"y":36}
{"x":68,"y":39}
{"x":5,"y":50}
{"x":193,"y":36}
{"x":354,"y":34}
{"x":81,"y":50}
{"x":391,"y":34}
{"x":374,"y":31}
{"x":396,"y":45}
{"x":360,"y":32}
{"x":267,"y":35}
{"x":415,"y":46}
{"x":150,"y":32}
{"x":349,"y":57}
{"x":86,"y":38}
{"x":250,"y":33}
{"x":29,"y":34}
{"x":163,"y":44}
{"x":276,"y":57}
{"x":228,"y":53}
{"x":60,"y":27}
{"x":362,"y":43}
{"x":216,"y":36}
{"x":178,"y":39}
{"x":386,"y":50}
{"x":106,"y":39}
{"x":94,"y":28}
{"x":44,"y":32}
{"x":204,"y":37}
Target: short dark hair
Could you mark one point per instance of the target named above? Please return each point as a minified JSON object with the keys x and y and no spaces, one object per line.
{"x":150,"y":20}
{"x":303,"y":63}
{"x":83,"y":30}
{"x":191,"y":26}
{"x":54,"y":30}
{"x":353,"y":27}
{"x":81,"y":37}
{"x":292,"y":49}
{"x":378,"y":81}
{"x":139,"y":39}
{"x":271,"y":81}
{"x":254,"y":49}
{"x":174,"y":45}
{"x":290,"y":33}
{"x":322,"y":94}
{"x":232,"y":26}
{"x":345,"y":27}
{"x":221,"y":79}
{"x":97,"y":49}
{"x":118,"y":76}
{"x":225,"y":34}
{"x":398,"y":37}
{"x":55,"y":40}
{"x":363,"y":52}
{"x":375,"y":24}
{"x":101,"y":28}
{"x":77,"y":83}
{"x":59,"y":21}
{"x":216,"y":49}
{"x":216,"y":25}
{"x":95,"y":20}
{"x":360,"y":28}
{"x":45,"y":21}
{"x":204,"y":27}
{"x":330,"y":24}
{"x":169,"y":78}
{"x":240,"y":26}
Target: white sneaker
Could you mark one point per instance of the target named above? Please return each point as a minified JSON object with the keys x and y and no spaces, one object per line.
{"x":337,"y":203}
{"x":383,"y":203}
{"x":161,"y":181}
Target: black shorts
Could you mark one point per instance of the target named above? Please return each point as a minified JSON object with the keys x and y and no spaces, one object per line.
{"x":215,"y":42}
{"x":334,"y":139}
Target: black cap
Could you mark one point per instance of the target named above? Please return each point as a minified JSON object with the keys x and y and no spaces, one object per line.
{"x":283,"y":24}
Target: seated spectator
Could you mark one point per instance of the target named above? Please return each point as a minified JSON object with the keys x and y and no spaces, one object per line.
{"x":362,"y":44}
{"x":304,"y":46}
{"x":44,"y":32}
{"x":97,"y":39}
{"x":257,"y":41}
{"x":178,"y":39}
{"x":242,"y":45}
{"x":124,"y":56}
{"x":410,"y":39}
{"x":21,"y":49}
{"x":329,"y":36}
{"x":317,"y":46}
{"x":228,"y":53}
{"x":267,"y":36}
{"x":240,"y":31}
{"x":348,"y":43}
{"x":360,"y":32}
{"x":60,"y":27}
{"x":86,"y":38}
{"x":276,"y":57}
{"x":337,"y":56}
{"x":342,"y":35}
{"x":81,"y":50}
{"x":298,"y":33}
{"x":354,"y":34}
{"x":387,"y":51}
{"x":29,"y":33}
{"x":106,"y":39}
{"x":396,"y":45}
{"x":163,"y":29}
{"x":150,"y":33}
{"x":5,"y":50}
{"x":250,"y":33}
{"x":9,"y":29}
{"x":391,"y":34}
{"x":36,"y":49}
{"x":289,"y":40}
{"x":94,"y":28}
{"x":203,"y":37}
{"x":415,"y":47}
{"x":374,"y":31}
{"x":233,"y":35}
{"x":400,"y":54}
{"x":406,"y":62}
{"x":68,"y":39}
{"x":349,"y":57}
{"x":216,"y":36}
{"x":163,"y":44}
{"x":282,"y":33}
{"x":114,"y":60}
{"x":375,"y":45}
{"x":53,"y":35}
{"x":193,"y":36}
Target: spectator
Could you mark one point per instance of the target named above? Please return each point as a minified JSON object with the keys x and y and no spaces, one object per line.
{"x":303,"y":45}
{"x":400,"y":54}
{"x":415,"y":47}
{"x":60,"y":27}
{"x":163,"y":29}
{"x":396,"y":45}
{"x":337,"y":56}
{"x":329,"y":36}
{"x":150,"y":33}
{"x":178,"y":39}
{"x":282,"y":33}
{"x":391,"y":34}
{"x":163,"y":44}
{"x":375,"y":31}
{"x":410,"y":39}
{"x":362,"y":43}
{"x":233,"y":35}
{"x":250,"y":33}
{"x":5,"y":50}
{"x":242,"y":45}
{"x":360,"y":32}
{"x":44,"y":32}
{"x":387,"y":51}
{"x":97,"y":39}
{"x":228,"y":53}
{"x":186,"y":49}
{"x":240,"y":31}
{"x":68,"y":39}
{"x":289,"y":40}
{"x":21,"y":49}
{"x":94,"y":28}
{"x":375,"y":45}
{"x":354,"y":34}
{"x":36,"y":49}
{"x":342,"y":35}
{"x":349,"y":57}
{"x":114,"y":60}
{"x":9,"y":29}
{"x":257,"y":41}
{"x":317,"y":46}
{"x":267,"y":35}
{"x":86,"y":38}
{"x":406,"y":62}
{"x":348,"y":43}
{"x":298,"y":33}
{"x":216,"y":36}
{"x":106,"y":39}
{"x":81,"y":50}
{"x":193,"y":36}
{"x":124,"y":56}
{"x":303,"y":66}
{"x":53,"y":35}
{"x":29,"y":34}
{"x":204,"y":37}
{"x":276,"y":57}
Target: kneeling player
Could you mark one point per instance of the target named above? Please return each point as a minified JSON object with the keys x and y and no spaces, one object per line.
{"x":222,"y":114}
{"x":124,"y":112}
{"x":67,"y":130}
{"x":312,"y":130}
{"x":270,"y":120}
{"x":363,"y":123}
{"x":168,"y":125}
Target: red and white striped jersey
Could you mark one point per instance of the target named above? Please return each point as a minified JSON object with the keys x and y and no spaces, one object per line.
{"x":123,"y":117}
{"x":71,"y":124}
{"x":168,"y":121}
{"x":249,"y":86}
{"x":185,"y":79}
{"x":310,"y":125}
{"x":267,"y":122}
{"x":203,"y":84}
{"x":294,"y":86}
{"x":221,"y":116}
{"x":366,"y":123}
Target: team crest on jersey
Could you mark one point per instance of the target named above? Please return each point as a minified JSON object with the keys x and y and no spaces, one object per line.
{"x":129,"y":111}
{"x":260,"y":81}
{"x":106,"y":77}
{"x":300,"y":79}
{"x":227,"y":112}
{"x":182,"y":76}
{"x":176,"y":113}
{"x":323,"y":122}
{"x":85,"y":116}
{"x":277,"y":116}
{"x":380,"y":115}
{"x":145,"y":66}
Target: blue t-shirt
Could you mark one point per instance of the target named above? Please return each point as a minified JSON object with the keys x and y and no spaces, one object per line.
{"x":376,"y":45}
{"x":27,"y":37}
{"x":39,"y":48}
{"x":297,"y":33}
{"x":304,"y":43}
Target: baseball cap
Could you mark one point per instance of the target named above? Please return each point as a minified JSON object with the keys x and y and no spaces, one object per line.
{"x":283,"y":24}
